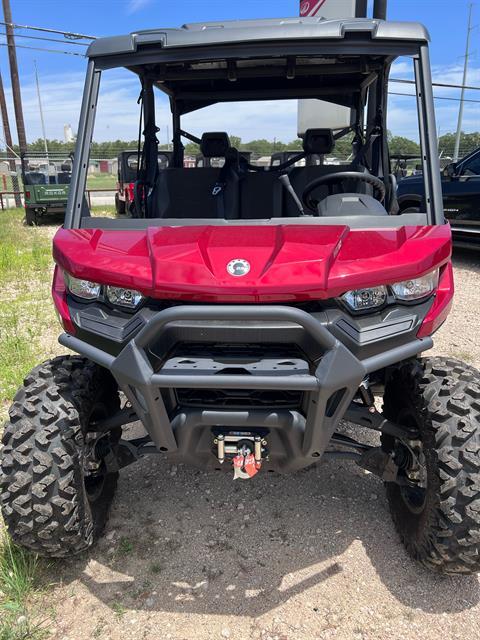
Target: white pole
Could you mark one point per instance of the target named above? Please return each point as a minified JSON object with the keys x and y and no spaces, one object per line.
{"x":41,"y":109}
{"x":462,"y":97}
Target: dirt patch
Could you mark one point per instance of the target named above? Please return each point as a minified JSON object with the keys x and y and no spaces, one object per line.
{"x":192,"y":555}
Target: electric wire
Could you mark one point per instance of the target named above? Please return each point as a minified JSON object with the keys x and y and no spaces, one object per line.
{"x":412,"y":95}
{"x":24,"y":46}
{"x":43,"y":38}
{"x":438,"y":84}
{"x":67,"y":34}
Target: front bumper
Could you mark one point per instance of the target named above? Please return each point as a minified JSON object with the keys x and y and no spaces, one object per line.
{"x":297,"y":437}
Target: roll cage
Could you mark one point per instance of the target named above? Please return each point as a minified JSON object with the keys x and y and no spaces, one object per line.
{"x":346,"y":62}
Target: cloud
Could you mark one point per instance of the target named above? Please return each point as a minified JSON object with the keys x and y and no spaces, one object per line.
{"x":137,"y":5}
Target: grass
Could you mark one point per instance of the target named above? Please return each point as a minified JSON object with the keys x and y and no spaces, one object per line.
{"x":28,"y":325}
{"x":26,"y":313}
{"x":101,"y":181}
{"x":118,"y":609}
{"x":125,"y":547}
{"x":18,"y":584}
{"x":156,"y":568}
{"x":28,"y":335}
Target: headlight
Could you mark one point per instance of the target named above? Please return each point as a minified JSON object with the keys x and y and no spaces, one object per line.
{"x":82,"y":288}
{"x":416,"y":288}
{"x":123,"y":297}
{"x":362,"y":299}
{"x":127,"y":298}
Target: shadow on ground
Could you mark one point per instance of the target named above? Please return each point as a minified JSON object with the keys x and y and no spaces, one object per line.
{"x":194,"y":542}
{"x":466,"y":258}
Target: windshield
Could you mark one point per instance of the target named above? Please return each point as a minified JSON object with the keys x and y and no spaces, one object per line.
{"x":43,"y":169}
{"x":272,"y":139}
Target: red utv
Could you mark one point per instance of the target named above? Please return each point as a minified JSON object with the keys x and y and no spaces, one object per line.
{"x":243,"y":313}
{"x":128,"y":175}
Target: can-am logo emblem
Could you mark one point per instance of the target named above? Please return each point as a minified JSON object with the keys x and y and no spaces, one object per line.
{"x":238,"y":267}
{"x":310,"y":7}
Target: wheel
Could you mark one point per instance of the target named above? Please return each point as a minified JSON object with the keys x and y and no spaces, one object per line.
{"x":411,"y":209}
{"x":30,"y":217}
{"x":119,"y":205}
{"x":55,"y":491}
{"x":437,"y":510}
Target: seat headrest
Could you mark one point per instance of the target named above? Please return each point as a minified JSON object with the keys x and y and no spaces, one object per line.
{"x":215,"y":145}
{"x":318,"y":141}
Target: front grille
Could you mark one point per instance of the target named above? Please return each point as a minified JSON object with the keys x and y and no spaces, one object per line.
{"x":239,"y":399}
{"x":237,"y":359}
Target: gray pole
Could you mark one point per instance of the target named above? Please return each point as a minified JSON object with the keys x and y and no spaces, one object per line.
{"x":40,"y":108}
{"x":462,"y":97}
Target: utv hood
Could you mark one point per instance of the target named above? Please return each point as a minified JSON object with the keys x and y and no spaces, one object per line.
{"x":288,"y":263}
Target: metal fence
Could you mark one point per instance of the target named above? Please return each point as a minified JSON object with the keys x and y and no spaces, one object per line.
{"x":5,"y":200}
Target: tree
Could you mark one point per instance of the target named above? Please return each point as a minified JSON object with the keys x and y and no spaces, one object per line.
{"x":468,"y":142}
{"x":399,"y":145}
{"x":264,"y":147}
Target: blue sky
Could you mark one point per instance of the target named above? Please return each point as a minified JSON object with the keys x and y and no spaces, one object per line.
{"x":61,"y":76}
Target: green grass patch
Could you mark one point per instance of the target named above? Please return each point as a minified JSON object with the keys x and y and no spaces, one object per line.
{"x":28,"y":325}
{"x":26,"y":310}
{"x":25,"y":252}
{"x":18,"y":586}
{"x":101,"y":181}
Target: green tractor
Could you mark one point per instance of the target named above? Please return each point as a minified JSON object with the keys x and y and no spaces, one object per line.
{"x":46,"y":183}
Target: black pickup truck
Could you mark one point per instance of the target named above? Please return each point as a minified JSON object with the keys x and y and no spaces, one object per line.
{"x":461,"y":197}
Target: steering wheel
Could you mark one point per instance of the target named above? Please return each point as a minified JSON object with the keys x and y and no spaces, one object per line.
{"x":340,"y":176}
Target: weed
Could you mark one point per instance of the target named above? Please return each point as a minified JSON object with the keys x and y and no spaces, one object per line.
{"x":99,"y":627}
{"x":125,"y":547}
{"x":118,"y":609}
{"x":18,"y":571}
{"x":156,"y":568}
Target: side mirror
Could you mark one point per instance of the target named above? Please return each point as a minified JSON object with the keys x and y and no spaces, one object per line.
{"x":450,"y":170}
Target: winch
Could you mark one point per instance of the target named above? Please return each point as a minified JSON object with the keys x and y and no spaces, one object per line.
{"x":246,"y":450}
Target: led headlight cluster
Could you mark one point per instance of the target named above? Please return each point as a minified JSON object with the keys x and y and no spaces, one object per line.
{"x":118,"y":296}
{"x":82,"y":288}
{"x":407,"y":291}
{"x":361,"y":299}
{"x":417,"y":287}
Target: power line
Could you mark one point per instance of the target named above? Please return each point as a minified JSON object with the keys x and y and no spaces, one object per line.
{"x":67,"y":34}
{"x":24,"y":46}
{"x":438,"y":84}
{"x":412,"y":95}
{"x":43,"y":38}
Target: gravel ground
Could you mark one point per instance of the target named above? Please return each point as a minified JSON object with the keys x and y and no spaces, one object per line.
{"x":192,"y":555}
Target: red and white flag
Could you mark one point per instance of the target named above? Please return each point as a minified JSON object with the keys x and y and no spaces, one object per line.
{"x":310,"y":7}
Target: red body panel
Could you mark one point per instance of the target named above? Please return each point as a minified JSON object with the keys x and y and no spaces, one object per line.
{"x":288,"y":262}
{"x":442,"y":304}
{"x":125,"y":191}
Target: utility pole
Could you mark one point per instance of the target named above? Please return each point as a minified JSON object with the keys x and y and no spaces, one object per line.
{"x":462,"y":97}
{"x":9,"y":143}
{"x":40,"y":108}
{"x":17,"y":96}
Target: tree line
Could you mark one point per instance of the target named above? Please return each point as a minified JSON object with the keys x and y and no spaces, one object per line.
{"x":263,"y":147}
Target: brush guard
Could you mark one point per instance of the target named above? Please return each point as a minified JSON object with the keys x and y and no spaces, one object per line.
{"x":296,"y":439}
